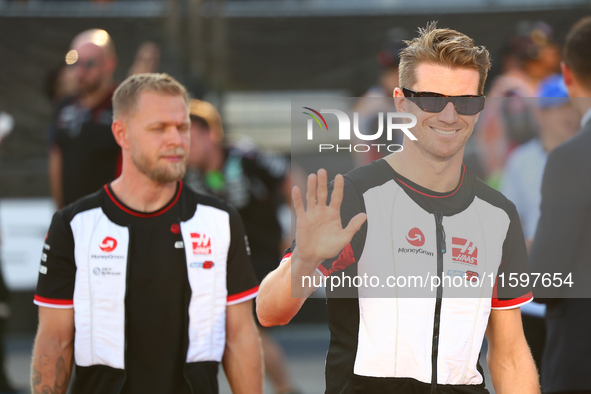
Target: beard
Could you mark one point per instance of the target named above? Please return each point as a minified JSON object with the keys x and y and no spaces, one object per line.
{"x":169,"y":172}
{"x":89,"y":88}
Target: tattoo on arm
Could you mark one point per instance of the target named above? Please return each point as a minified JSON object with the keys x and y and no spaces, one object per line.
{"x":60,"y":385}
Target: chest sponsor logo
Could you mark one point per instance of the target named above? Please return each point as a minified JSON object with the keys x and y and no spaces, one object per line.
{"x":415,"y":237}
{"x":108,"y":245}
{"x":202,"y":264}
{"x":201,"y":243}
{"x":469,"y":275}
{"x":464,"y":251}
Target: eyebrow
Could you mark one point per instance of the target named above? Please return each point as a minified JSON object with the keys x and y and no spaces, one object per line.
{"x":157,"y":123}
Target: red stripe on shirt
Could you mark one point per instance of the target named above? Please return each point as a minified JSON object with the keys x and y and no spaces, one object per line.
{"x":447,"y":195}
{"x":496,"y":303}
{"x":140,"y":214}
{"x":53,"y":301}
{"x":242,"y":294}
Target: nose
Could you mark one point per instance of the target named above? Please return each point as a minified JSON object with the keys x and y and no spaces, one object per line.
{"x":175,"y":136}
{"x":448,"y":115}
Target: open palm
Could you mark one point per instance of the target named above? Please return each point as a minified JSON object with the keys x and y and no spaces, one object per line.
{"x":319,"y":232}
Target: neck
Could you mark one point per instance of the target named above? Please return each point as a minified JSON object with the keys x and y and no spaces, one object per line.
{"x":92,"y":99}
{"x":141,"y":193}
{"x":436,"y":175}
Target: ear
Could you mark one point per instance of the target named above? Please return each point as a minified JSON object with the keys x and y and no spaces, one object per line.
{"x":399,"y":100}
{"x":567,"y":74}
{"x":111,"y":64}
{"x":121,"y":133}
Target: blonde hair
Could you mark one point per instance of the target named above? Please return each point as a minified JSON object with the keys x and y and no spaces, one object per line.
{"x":210,"y":115}
{"x":444,"y":47}
{"x":126,"y":96}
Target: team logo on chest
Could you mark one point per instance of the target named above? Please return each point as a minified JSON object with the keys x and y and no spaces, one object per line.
{"x":108,"y":245}
{"x":201,"y":243}
{"x":464,"y":251}
{"x":415,"y":237}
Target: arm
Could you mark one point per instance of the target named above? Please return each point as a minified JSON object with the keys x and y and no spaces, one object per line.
{"x":53,"y":351}
{"x":319,"y":235}
{"x":511,"y":365}
{"x":55,"y":175}
{"x":242,"y":358}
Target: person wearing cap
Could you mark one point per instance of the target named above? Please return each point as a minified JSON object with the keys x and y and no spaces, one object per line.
{"x":562,"y":244}
{"x":522,"y":182}
{"x":83,"y":154}
{"x":253,"y":182}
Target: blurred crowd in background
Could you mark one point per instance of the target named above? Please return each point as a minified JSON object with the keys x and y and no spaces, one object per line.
{"x":58,"y":76}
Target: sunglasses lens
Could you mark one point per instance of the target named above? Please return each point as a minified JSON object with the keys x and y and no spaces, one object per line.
{"x":432,"y":104}
{"x":469,"y":105}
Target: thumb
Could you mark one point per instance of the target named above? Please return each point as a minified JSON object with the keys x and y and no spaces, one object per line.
{"x":355,"y":224}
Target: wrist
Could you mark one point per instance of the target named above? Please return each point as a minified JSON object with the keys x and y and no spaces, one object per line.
{"x":303,"y":266}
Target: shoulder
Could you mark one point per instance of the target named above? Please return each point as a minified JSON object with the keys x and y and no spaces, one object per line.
{"x":84,"y":204}
{"x":575,"y":150}
{"x":193,"y":200}
{"x":492,"y":196}
{"x":368,"y":176}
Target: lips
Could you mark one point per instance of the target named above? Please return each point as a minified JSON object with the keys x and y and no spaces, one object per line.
{"x":174,"y":159}
{"x":444,"y":132}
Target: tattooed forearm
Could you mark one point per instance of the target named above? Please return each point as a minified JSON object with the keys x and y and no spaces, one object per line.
{"x":61,"y":380}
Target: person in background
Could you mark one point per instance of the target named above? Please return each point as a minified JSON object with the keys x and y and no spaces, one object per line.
{"x":378,"y":98}
{"x":147,"y":59}
{"x":509,"y":121}
{"x":522,"y":183}
{"x":6,"y":126}
{"x":83,"y":154}
{"x":253,"y":183}
{"x":562,"y":244}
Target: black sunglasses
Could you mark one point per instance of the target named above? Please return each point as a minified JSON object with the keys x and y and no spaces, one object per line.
{"x":436,"y":102}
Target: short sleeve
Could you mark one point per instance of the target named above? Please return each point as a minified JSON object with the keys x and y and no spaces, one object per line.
{"x":514,"y":263}
{"x":241,"y":281}
{"x":57,"y":271}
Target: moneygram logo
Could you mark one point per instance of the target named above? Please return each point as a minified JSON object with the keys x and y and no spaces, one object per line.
{"x":108,"y":245}
{"x":464,"y":251}
{"x":415,"y":237}
{"x":344,"y":130}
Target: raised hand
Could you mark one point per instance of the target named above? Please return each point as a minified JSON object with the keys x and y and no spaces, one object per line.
{"x":319,"y":232}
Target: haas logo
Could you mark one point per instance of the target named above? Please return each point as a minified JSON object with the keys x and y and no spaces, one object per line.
{"x":108,"y":245}
{"x":464,"y":251}
{"x":415,"y":237}
{"x":201,"y":243}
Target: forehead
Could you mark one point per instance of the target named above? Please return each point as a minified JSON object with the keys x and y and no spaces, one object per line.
{"x":156,"y":107}
{"x":446,"y":80}
{"x":88,"y":50}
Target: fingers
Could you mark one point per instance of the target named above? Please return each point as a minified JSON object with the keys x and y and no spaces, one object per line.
{"x":322,"y":191}
{"x":311,"y":192}
{"x":298,"y":205}
{"x":337,"y":193}
{"x":355,"y":224}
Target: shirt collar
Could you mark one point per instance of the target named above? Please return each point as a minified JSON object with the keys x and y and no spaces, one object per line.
{"x":586,"y":118}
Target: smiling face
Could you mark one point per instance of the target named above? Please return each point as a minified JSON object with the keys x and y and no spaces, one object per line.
{"x":158,"y":136}
{"x":441,"y":135}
